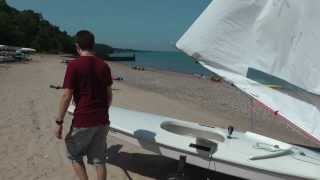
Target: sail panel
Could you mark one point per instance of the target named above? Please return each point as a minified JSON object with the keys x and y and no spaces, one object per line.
{"x":277,"y":37}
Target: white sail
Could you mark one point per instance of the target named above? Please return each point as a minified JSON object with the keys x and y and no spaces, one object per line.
{"x":276,"y":37}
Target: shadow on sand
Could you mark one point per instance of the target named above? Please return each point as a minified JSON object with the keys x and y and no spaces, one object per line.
{"x":155,"y":166}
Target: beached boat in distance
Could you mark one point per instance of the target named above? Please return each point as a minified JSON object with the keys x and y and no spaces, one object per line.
{"x":112,"y":57}
{"x":11,"y":53}
{"x":28,"y":50}
{"x":122,"y":57}
{"x":20,"y":49}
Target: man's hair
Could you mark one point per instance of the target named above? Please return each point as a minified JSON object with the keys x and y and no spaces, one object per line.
{"x":85,"y":40}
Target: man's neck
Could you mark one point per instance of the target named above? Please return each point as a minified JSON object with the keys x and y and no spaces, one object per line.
{"x":86,"y":53}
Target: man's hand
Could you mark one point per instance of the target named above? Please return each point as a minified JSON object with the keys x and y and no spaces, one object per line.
{"x":58,"y":131}
{"x":64,"y":103}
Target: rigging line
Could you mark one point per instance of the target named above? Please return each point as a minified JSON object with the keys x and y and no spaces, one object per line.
{"x":268,"y":147}
{"x":287,"y":122}
{"x":300,"y":152}
{"x":272,"y":148}
{"x":298,"y":159}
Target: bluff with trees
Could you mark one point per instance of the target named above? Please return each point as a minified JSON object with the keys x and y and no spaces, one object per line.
{"x":29,"y":29}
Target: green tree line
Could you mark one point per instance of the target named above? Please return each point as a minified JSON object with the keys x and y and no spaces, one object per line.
{"x":29,"y":29}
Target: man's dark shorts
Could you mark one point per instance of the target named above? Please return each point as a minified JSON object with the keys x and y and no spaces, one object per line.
{"x":90,"y":142}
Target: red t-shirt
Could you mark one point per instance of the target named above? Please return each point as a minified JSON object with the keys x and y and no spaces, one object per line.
{"x":89,"y":77}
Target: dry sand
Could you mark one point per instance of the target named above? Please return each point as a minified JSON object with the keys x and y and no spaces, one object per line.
{"x":29,"y":151}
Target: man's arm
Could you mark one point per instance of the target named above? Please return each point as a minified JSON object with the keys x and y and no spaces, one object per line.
{"x":109,"y":95}
{"x":64,"y":103}
{"x":63,"y":106}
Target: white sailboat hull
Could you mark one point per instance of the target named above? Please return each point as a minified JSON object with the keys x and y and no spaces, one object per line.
{"x":174,"y":138}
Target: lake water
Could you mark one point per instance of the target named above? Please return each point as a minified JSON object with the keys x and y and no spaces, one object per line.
{"x":169,"y":61}
{"x":180,"y":62}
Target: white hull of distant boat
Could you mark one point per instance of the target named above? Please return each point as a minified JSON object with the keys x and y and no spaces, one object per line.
{"x":21,"y":49}
{"x":245,"y":155}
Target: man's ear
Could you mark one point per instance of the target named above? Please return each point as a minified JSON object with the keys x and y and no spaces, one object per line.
{"x":78,"y":48}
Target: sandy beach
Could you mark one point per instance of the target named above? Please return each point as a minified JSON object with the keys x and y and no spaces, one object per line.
{"x":28,"y":106}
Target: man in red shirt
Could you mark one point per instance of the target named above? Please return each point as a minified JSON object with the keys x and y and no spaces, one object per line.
{"x":88,"y":80}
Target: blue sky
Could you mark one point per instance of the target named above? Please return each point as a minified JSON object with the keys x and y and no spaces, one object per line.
{"x":138,"y":24}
